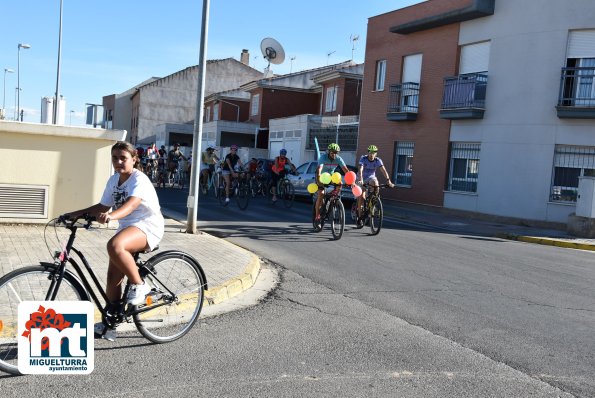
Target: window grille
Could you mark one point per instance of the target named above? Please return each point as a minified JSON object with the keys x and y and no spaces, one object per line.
{"x":404,"y":163}
{"x":464,"y":167}
{"x":570,"y":163}
{"x":325,"y":135}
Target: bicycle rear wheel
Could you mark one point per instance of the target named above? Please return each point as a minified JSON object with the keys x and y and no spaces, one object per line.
{"x":177,"y":274}
{"x":376,"y":215}
{"x":287,"y":192}
{"x":243,"y":197}
{"x":337,"y":217}
{"x":27,"y":284}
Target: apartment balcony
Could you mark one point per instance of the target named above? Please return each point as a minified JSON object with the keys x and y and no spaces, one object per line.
{"x":577,"y":93}
{"x":403,"y":102}
{"x":464,"y":96}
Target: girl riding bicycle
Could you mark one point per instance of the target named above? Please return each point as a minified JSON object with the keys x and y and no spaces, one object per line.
{"x":134,"y":203}
{"x":367,"y":173}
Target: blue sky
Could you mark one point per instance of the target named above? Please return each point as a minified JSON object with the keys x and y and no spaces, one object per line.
{"x":112,"y":45}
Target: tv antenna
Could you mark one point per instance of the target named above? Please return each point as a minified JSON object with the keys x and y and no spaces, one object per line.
{"x":353,"y":39}
{"x":291,"y":63}
{"x":328,"y":55}
{"x":273,"y":52}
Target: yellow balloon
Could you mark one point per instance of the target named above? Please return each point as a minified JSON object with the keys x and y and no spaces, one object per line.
{"x":312,"y":187}
{"x":336,"y":178}
{"x":325,"y":178}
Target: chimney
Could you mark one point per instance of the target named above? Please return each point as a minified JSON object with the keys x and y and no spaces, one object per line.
{"x":245,"y":57}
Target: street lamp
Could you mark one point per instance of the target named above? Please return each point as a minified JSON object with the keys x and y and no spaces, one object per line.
{"x":25,"y":46}
{"x":6,"y":70}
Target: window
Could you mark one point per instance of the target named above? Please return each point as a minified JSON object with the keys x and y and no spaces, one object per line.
{"x":380,"y":75}
{"x":411,"y":74}
{"x":331,"y":99}
{"x":570,"y":163}
{"x":215,"y":112}
{"x":254,"y":104}
{"x":578,"y":88}
{"x":464,"y":167}
{"x":207,"y":114}
{"x":404,"y":163}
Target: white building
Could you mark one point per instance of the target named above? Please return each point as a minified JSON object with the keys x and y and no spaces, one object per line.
{"x":537,"y":135}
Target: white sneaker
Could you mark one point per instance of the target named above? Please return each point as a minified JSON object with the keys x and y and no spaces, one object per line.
{"x":137,"y":293}
{"x":104,"y":332}
{"x":226,"y":200}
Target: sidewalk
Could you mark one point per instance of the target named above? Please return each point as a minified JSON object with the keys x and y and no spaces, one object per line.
{"x":452,"y":221}
{"x":229,"y":269}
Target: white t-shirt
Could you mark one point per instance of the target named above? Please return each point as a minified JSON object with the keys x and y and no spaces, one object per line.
{"x":147,"y":216}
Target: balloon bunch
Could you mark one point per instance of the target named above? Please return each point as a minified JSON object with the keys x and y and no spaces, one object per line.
{"x":335,"y":178}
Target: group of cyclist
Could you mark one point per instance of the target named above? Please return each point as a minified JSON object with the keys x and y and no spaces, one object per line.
{"x":329,"y":162}
{"x":159,"y":164}
{"x":368,"y":164}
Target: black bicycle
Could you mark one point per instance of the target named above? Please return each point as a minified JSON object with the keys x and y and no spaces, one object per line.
{"x":372,"y":212}
{"x":240,"y":188}
{"x":332,"y":210}
{"x":170,"y":310}
{"x":285,"y":190}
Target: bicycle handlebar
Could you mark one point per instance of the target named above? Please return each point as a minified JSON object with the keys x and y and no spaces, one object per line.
{"x":69,"y":222}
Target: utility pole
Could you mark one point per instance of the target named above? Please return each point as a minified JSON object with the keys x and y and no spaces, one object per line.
{"x":192,"y":201}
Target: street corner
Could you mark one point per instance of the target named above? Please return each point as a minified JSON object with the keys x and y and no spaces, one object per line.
{"x":235,"y":286}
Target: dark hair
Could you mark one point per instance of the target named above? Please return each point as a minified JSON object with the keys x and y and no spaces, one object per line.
{"x":128,"y":147}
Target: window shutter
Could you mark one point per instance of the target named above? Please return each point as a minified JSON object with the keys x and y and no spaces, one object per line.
{"x":412,"y":69}
{"x":581,"y":44}
{"x":475,"y":58}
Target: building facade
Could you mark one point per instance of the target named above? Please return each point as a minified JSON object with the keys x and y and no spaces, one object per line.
{"x":172,"y":99}
{"x":487,"y":105}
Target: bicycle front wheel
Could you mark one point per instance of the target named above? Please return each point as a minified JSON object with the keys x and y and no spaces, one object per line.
{"x":376,"y":215}
{"x":287,"y":192}
{"x":27,"y":284}
{"x":243,"y":197}
{"x":177,"y":289}
{"x":337,"y":217}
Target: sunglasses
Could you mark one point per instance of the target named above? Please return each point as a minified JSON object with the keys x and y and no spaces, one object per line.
{"x":334,"y":152}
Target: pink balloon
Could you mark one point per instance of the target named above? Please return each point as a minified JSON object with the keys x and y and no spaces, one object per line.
{"x":356,"y":190}
{"x":350,"y":178}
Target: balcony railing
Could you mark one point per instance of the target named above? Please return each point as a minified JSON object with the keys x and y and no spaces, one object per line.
{"x":403,"y":101}
{"x":577,"y":93}
{"x":464,"y":96}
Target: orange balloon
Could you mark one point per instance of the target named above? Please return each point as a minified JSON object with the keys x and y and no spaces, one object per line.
{"x":350,"y":178}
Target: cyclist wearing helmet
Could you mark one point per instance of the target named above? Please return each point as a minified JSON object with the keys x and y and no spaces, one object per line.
{"x":229,"y":167}
{"x":328,"y":163}
{"x":367,"y":174}
{"x":279,"y":170}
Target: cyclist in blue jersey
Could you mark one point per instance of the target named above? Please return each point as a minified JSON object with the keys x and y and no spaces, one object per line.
{"x":328,"y":163}
{"x":367,"y":174}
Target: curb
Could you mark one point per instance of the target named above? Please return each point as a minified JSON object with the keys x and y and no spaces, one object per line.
{"x":234,"y":286}
{"x":547,"y":241}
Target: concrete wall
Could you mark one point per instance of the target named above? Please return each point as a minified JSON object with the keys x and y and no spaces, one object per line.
{"x":172,"y":99}
{"x":520,"y":127}
{"x":73,"y":162}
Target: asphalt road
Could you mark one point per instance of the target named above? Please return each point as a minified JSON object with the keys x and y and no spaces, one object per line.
{"x":527,"y":306}
{"x":303,"y":340}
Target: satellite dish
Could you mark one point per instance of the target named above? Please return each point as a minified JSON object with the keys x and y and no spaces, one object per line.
{"x":272,"y":51}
